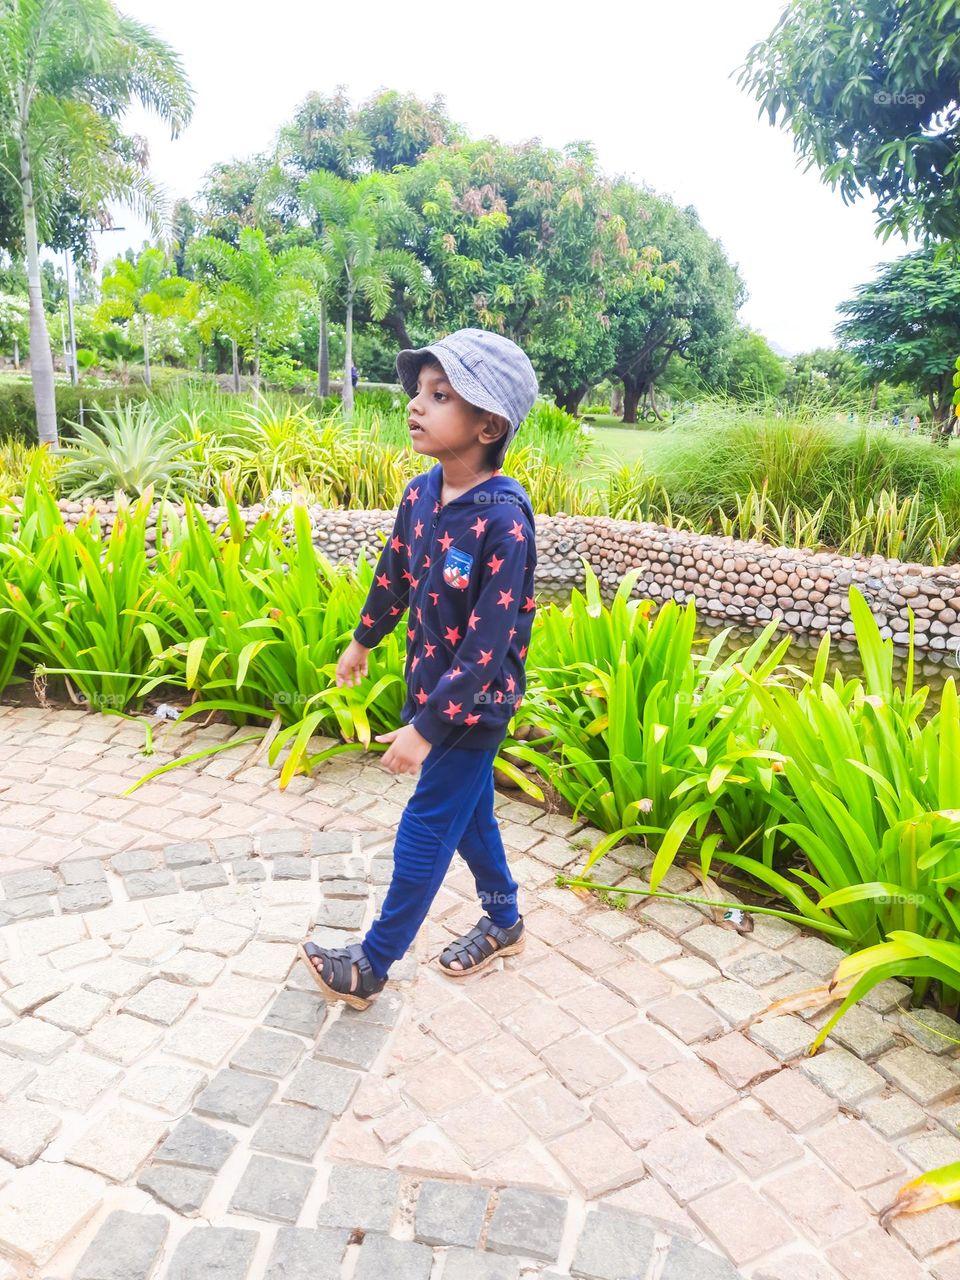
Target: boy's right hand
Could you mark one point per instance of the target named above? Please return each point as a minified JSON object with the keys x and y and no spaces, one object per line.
{"x":352,"y":666}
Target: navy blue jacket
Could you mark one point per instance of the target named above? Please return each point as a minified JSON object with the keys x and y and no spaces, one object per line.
{"x":465,"y":570}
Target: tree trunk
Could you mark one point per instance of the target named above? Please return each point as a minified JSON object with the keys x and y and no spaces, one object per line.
{"x":616,"y":402}
{"x":16,"y":353}
{"x":236,"y":367}
{"x":347,"y":392}
{"x":323,"y":356}
{"x":41,"y":357}
{"x":570,"y":400}
{"x":631,"y":399}
{"x":256,"y":368}
{"x":873,"y":398}
{"x":146,"y":352}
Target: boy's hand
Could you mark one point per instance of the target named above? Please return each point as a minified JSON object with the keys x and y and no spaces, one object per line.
{"x":352,"y":666}
{"x":407,"y":750}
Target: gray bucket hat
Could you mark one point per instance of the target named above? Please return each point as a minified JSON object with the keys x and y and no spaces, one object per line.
{"x":488,"y":370}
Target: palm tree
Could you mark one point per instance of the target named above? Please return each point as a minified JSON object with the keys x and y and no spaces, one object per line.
{"x":146,"y":288}
{"x":253,"y":295}
{"x":68,"y":71}
{"x":355,"y":218}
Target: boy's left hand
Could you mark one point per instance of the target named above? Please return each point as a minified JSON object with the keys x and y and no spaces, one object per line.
{"x":407,"y":750}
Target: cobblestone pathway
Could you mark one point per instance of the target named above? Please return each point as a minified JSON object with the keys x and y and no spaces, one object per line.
{"x":176,"y":1100}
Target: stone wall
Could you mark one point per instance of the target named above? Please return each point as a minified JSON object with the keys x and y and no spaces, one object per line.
{"x":746,"y":583}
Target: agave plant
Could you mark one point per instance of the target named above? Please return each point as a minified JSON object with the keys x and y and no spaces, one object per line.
{"x":130,"y":451}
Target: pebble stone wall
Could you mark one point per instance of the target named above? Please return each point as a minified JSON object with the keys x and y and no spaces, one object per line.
{"x":745,"y":583}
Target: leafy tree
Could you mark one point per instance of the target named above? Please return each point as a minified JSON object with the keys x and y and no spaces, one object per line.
{"x":753,"y":372}
{"x":399,"y":128}
{"x":253,"y":296}
{"x":68,"y":71}
{"x":14,"y":324}
{"x":693,"y":315}
{"x":905,"y":326}
{"x":359,"y":220}
{"x":149,"y":290}
{"x":869,"y":91}
{"x":828,"y":375}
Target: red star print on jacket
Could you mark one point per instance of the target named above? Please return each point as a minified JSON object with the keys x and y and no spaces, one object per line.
{"x":473,"y":627}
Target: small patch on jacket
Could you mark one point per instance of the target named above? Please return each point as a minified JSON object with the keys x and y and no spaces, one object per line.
{"x":456,"y":568}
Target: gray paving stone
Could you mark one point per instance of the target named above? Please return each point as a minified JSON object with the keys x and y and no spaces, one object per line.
{"x":229,"y":848}
{"x":196,"y":1145}
{"x":193,"y":853}
{"x":272,"y":1189}
{"x":383,"y":1012}
{"x":759,"y":969}
{"x":150,"y":884}
{"x":25,"y":1130}
{"x":206,"y":877}
{"x":843,"y":1076}
{"x":349,"y":1042}
{"x":183,"y":1190}
{"x":933,"y":1031}
{"x":213,"y":1253}
{"x":135,"y":860}
{"x":267,"y":1053}
{"x":26,"y":908}
{"x":331,"y":842}
{"x":88,"y":896}
{"x":863,"y":1032}
{"x":472,"y":1264}
{"x":921,"y":1075}
{"x":280,"y":842}
{"x":613,"y":1243}
{"x":246,"y":870}
{"x":529,"y":1223}
{"x":340,"y":888}
{"x":291,"y":866}
{"x":81,"y":870}
{"x":360,"y":1198}
{"x":341,"y":913}
{"x":381,"y":1256}
{"x":27,"y":884}
{"x":299,"y":1011}
{"x":450,"y":1213}
{"x":815,"y":954}
{"x":126,"y":1247}
{"x":321,"y":1085}
{"x":302,"y":1254}
{"x":235,"y":1097}
{"x":687,"y":1261}
{"x":288,"y":1129}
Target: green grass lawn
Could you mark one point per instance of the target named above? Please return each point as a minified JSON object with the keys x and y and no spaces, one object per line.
{"x":615,"y":445}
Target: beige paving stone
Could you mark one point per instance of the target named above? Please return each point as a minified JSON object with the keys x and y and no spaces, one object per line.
{"x":872,"y":1255}
{"x":591,"y":953}
{"x":742,"y":1224}
{"x":757,"y":1142}
{"x":265,"y":961}
{"x":499,"y":993}
{"x":653,"y":947}
{"x":79,"y":953}
{"x":583,"y":1064}
{"x":28,"y":996}
{"x":241,"y":997}
{"x":115,"y":978}
{"x":651,"y":1201}
{"x":44,"y":1206}
{"x":481,"y":1128}
{"x":924,"y":1234}
{"x":14,"y":1074}
{"x":694,"y":1089}
{"x":686,"y":1164}
{"x":219,"y":937}
{"x":161,"y":1002}
{"x":437,"y":1089}
{"x":192,"y":968}
{"x":75,"y":1010}
{"x":122,"y":1038}
{"x":149,"y":945}
{"x":397,"y":1125}
{"x":169,"y":1087}
{"x":34,"y":1040}
{"x":502,"y":1062}
{"x":75,"y":1082}
{"x":686,"y":1017}
{"x":459,"y":1024}
{"x":432,"y":1157}
{"x":596,"y":1158}
{"x":817,"y":1203}
{"x":25,"y":1130}
{"x":38,"y":937}
{"x":635,"y":1111}
{"x":737,"y":1060}
{"x":794,"y":1100}
{"x":646,"y":1046}
{"x":638,"y":982}
{"x":854,"y":1151}
{"x":555,"y":975}
{"x":601,"y":1011}
{"x":547,"y":1108}
{"x":118,"y":1144}
{"x":541,"y":1023}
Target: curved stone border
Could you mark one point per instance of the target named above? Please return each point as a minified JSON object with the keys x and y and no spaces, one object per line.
{"x":740,"y":581}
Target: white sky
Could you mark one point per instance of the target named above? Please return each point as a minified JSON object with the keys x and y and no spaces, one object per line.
{"x":649,"y":84}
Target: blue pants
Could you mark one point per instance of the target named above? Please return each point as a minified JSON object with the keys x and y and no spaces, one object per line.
{"x":451,"y":809}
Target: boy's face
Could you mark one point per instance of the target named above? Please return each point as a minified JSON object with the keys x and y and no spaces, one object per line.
{"x":444,"y":425}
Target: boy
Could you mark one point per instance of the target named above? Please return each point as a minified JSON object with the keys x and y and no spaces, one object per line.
{"x":462,"y":559}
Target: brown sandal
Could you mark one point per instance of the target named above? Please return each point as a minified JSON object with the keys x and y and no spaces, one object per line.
{"x":473,"y":951}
